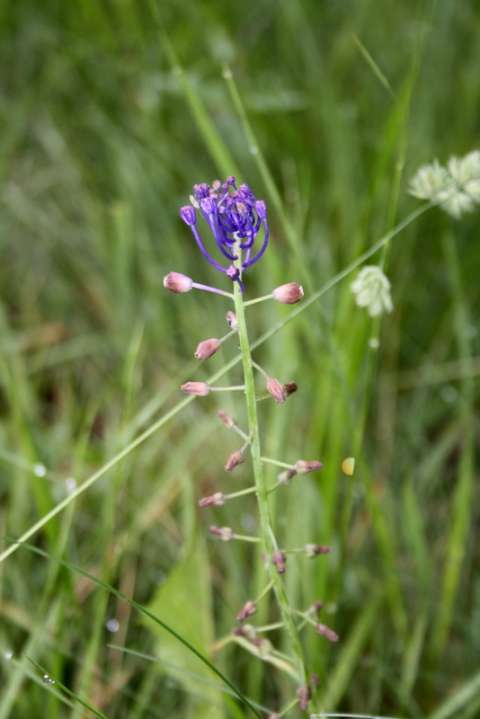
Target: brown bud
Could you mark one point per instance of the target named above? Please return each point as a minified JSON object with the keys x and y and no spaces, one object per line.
{"x":228,"y":421}
{"x":279,"y":559}
{"x":326,"y":632}
{"x":214,"y":500}
{"x":286,"y":476}
{"x":288,"y":294}
{"x":276,"y":389}
{"x":199,"y":389}
{"x":248,"y":609}
{"x":234,"y":460}
{"x":314,"y":680}
{"x":178,"y":283}
{"x":223,"y":533}
{"x":313,"y":550}
{"x":303,"y":696}
{"x":317,"y":605}
{"x":231,"y":318}
{"x":304,"y":466}
{"x":290,"y":388}
{"x":207,"y":348}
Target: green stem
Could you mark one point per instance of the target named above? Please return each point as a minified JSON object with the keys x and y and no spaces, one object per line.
{"x":266,"y":529}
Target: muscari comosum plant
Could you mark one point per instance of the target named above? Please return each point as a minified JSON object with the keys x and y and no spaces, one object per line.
{"x":239,"y":225}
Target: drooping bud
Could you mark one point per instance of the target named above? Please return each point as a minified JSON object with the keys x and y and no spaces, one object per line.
{"x":326,"y":632}
{"x":276,"y":389}
{"x":199,"y":389}
{"x":279,"y":559}
{"x":214,"y":500}
{"x":223,"y":533}
{"x":178,"y":283}
{"x":348,"y":466}
{"x":248,"y":609}
{"x":207,"y":348}
{"x":317,"y":605}
{"x":273,"y":716}
{"x":228,"y":421}
{"x":234,"y":460}
{"x":286,"y":476}
{"x":231,"y":318}
{"x":290,"y":388}
{"x":188,"y":215}
{"x":288,"y":294}
{"x":304,"y":466}
{"x":313,"y":550}
{"x":303,"y":696}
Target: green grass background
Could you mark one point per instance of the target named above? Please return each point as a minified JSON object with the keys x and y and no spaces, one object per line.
{"x":110,"y":111}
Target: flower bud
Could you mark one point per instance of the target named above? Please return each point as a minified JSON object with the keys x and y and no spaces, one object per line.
{"x":199,"y":389}
{"x":288,"y":294}
{"x":317,"y":605}
{"x":233,"y":272}
{"x":214,"y":500}
{"x":326,"y":632}
{"x":276,"y":389}
{"x":178,"y":283}
{"x":303,"y":696}
{"x":207,"y":348}
{"x":248,"y":609}
{"x":234,"y":460}
{"x":313,"y":550}
{"x":223,"y":533}
{"x":231,"y":318}
{"x":290,"y":388}
{"x":304,"y":466}
{"x":228,"y":421}
{"x":188,"y":215}
{"x":279,"y":559}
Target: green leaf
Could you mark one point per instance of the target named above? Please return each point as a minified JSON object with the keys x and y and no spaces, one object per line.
{"x":184,"y":602}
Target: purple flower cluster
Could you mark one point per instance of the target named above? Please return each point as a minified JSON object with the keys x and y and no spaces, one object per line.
{"x":235,"y":218}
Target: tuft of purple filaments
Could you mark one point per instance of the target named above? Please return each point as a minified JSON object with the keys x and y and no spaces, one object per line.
{"x":235,"y":218}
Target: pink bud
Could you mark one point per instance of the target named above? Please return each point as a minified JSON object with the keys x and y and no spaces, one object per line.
{"x":223,"y":533}
{"x":288,"y":294}
{"x":304,"y":466}
{"x":176,"y":282}
{"x":228,"y":421}
{"x":231,"y":318}
{"x":313,"y":550}
{"x":214,"y":500}
{"x":303,"y":696}
{"x":234,"y":460}
{"x":199,"y":389}
{"x":248,"y":609}
{"x":317,"y":605}
{"x":276,"y":389}
{"x":279,"y":559}
{"x":207,"y":348}
{"x":327,"y":632}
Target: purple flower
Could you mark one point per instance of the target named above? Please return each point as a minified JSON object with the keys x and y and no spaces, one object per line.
{"x":237,"y":221}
